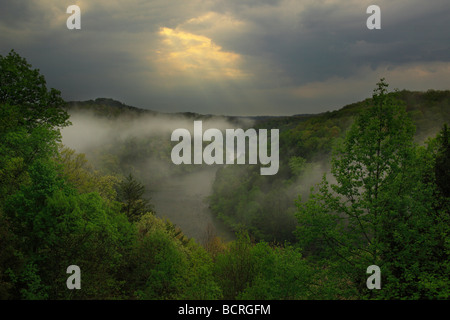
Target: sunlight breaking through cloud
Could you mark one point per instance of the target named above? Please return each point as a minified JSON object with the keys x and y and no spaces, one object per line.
{"x":196,"y":55}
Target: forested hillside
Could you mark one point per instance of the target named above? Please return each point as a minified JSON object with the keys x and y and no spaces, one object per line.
{"x":384,"y":201}
{"x":265,"y":204}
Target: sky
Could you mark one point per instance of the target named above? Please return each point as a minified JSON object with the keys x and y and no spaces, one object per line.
{"x":231,"y":57}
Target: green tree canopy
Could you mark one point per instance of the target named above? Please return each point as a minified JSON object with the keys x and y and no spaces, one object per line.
{"x":442,"y":167}
{"x":22,"y":86}
{"x":379,"y":210}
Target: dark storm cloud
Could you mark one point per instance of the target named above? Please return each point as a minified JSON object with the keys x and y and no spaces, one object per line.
{"x":230,"y":56}
{"x":330,"y":38}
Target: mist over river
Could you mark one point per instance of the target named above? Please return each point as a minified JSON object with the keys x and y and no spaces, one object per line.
{"x":131,"y":144}
{"x":183,"y":201}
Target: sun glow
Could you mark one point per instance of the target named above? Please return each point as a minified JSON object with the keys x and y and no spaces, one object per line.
{"x":197,"y":55}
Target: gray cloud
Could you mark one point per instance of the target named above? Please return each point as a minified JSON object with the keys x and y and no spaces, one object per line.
{"x":231,"y":57}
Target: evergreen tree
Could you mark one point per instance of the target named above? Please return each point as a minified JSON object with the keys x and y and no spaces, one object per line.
{"x":131,"y":194}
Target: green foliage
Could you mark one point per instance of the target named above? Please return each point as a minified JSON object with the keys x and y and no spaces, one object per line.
{"x":379,"y":210}
{"x":46,"y":224}
{"x":260,"y":271}
{"x":57,"y":227}
{"x":200,"y":283}
{"x":20,"y":147}
{"x":26,"y":88}
{"x":81,"y":174}
{"x":162,"y":266}
{"x":282,"y":274}
{"x":235,"y":268}
{"x":442,"y":167}
{"x":297,"y":165}
{"x":33,"y":289}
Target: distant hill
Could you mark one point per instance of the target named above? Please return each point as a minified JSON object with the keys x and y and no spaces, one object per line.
{"x":429,"y":110}
{"x":106,"y":107}
{"x":110,"y":108}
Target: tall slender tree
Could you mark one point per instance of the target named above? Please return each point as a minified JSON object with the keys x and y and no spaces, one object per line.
{"x":377,"y":212}
{"x":131,"y":194}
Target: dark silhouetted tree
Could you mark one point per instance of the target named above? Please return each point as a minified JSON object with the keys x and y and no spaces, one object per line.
{"x":131,"y":194}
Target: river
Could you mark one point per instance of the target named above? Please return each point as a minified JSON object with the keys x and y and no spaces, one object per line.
{"x":182,"y":200}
